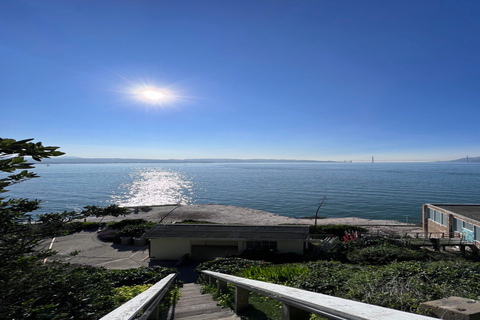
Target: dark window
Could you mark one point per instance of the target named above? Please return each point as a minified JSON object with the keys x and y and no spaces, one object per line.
{"x":263,"y":245}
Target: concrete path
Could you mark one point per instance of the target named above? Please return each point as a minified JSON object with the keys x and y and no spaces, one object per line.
{"x":85,"y":248}
{"x":193,"y":305}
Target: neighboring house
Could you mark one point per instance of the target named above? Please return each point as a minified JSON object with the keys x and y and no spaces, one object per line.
{"x":209,"y":241}
{"x":453,"y":220}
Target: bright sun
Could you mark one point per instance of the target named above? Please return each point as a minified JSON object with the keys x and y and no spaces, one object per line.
{"x":154,"y":95}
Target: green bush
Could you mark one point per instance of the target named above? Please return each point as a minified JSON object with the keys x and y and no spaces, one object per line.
{"x":93,"y":225}
{"x":126,"y":222}
{"x":135,"y":230}
{"x":61,"y":291}
{"x":138,"y":276}
{"x":385,"y":254}
{"x":327,"y":277}
{"x":229,"y":265}
{"x":405,"y":285}
{"x":125,"y":293}
{"x":284,"y":274}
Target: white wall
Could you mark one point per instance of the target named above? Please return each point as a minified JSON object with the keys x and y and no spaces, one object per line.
{"x":169,"y":249}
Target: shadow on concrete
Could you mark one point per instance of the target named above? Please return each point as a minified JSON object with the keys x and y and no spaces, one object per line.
{"x":186,"y":268}
{"x":132,"y":248}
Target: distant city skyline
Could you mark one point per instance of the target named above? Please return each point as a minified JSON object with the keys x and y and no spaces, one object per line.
{"x":272,"y":79}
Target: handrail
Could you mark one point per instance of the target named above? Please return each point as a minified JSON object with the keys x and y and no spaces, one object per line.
{"x":147,"y":301}
{"x":307,"y":301}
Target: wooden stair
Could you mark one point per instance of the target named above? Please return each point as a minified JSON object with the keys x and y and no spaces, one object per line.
{"x":193,"y":305}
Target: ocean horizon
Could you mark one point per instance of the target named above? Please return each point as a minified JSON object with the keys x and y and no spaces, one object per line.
{"x":380,"y":190}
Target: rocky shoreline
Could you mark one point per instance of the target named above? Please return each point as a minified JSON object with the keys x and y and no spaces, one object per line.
{"x":236,"y":215}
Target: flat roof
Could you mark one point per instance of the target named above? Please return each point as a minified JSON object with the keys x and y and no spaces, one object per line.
{"x":230,"y":232}
{"x":471,"y":211}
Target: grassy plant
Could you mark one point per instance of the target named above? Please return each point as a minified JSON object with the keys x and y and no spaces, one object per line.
{"x":125,"y":293}
{"x":280,"y":274}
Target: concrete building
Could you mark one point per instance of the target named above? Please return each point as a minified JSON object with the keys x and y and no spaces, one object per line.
{"x":453,"y":220}
{"x":209,"y":241}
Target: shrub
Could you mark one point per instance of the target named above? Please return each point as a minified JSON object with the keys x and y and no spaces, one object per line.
{"x":384,"y":254}
{"x":123,"y":223}
{"x":125,"y":293}
{"x":135,"y":230}
{"x":93,"y":225}
{"x":108,"y":235}
{"x":327,"y":277}
{"x":229,"y":265}
{"x":280,"y":274}
{"x":138,"y":276}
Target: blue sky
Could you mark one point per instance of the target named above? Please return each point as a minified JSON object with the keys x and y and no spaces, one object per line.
{"x":298,"y":79}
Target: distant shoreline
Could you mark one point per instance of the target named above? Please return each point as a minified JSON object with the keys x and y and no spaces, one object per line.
{"x":74,"y":160}
{"x":79,"y":160}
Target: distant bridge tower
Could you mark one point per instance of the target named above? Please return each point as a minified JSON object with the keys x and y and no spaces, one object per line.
{"x":373,"y":160}
{"x":467,"y":158}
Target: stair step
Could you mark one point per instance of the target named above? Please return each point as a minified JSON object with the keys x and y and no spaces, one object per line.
{"x":211,"y":316}
{"x":193,"y":305}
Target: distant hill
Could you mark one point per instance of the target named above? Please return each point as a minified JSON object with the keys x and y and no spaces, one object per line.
{"x":470,"y":159}
{"x":68,"y":159}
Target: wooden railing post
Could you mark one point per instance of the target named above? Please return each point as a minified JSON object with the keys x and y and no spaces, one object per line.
{"x":221,"y":286}
{"x":292,"y":313}
{"x":155,"y":313}
{"x":241,"y":299}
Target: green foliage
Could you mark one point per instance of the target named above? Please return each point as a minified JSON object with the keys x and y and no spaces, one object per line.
{"x":137,"y":276}
{"x":58,"y":291}
{"x":108,"y":235}
{"x":125,"y":222}
{"x":125,"y":293}
{"x":111,"y":210}
{"x":281,"y":274}
{"x":17,"y":237}
{"x":327,"y":277}
{"x":229,"y":265}
{"x":31,"y":290}
{"x":125,"y":228}
{"x":385,"y":254}
{"x":135,"y":230}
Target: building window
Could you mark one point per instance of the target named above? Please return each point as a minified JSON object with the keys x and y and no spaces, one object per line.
{"x":457,"y":225}
{"x":467,"y":226}
{"x":262,"y":245}
{"x":437,"y":216}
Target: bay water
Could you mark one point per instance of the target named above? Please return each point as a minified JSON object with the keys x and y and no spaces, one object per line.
{"x":393,"y":191}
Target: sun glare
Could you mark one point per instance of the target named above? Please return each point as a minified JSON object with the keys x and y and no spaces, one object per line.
{"x":150,"y":94}
{"x":154,"y":95}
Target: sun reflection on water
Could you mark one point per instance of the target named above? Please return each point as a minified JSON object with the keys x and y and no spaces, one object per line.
{"x":155,"y":186}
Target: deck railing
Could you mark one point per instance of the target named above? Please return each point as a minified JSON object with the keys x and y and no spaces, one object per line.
{"x":146,"y":301}
{"x":432,"y":235}
{"x":298,"y":304}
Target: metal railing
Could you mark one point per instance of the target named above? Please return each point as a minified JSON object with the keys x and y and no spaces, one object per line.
{"x":145,"y":303}
{"x":298,"y":304}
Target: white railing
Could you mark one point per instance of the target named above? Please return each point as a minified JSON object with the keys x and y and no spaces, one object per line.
{"x":298,"y":304}
{"x":146,"y":301}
